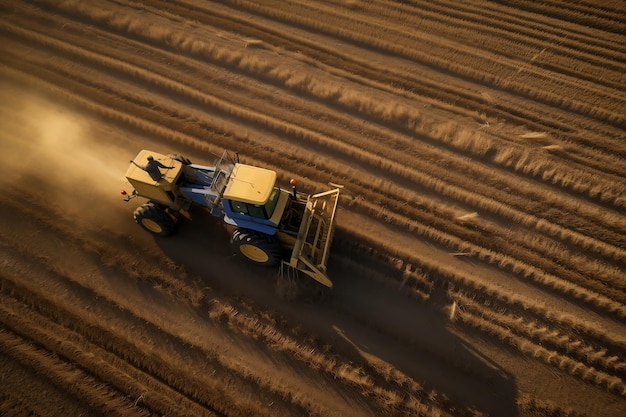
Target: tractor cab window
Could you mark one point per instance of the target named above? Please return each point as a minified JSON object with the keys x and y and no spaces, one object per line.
{"x":271,"y":202}
{"x":239,"y":207}
{"x":261,"y":211}
{"x":256,"y":211}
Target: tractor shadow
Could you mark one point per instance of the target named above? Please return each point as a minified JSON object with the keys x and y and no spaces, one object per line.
{"x":363,"y":321}
{"x":202,"y":247}
{"x":418,"y":339}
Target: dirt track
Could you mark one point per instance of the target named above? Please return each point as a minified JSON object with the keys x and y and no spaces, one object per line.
{"x":479,"y":260}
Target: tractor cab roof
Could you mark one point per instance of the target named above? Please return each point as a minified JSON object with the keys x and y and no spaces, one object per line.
{"x":250,"y":184}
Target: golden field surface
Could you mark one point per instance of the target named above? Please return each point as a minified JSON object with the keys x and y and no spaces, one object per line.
{"x":479,"y":261}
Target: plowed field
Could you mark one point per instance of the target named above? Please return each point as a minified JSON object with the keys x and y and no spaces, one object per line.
{"x":479,"y":261}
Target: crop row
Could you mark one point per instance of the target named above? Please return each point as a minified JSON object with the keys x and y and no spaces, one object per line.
{"x":148,"y":268}
{"x":187,"y":42}
{"x":453,"y":192}
{"x":334,"y":59}
{"x":421,"y":282}
{"x":561,"y":341}
{"x":75,"y":381}
{"x":417,"y":87}
{"x":407,"y":197}
{"x":446,"y":55}
{"x":88,"y":359}
{"x":605,"y":16}
{"x":502,"y":261}
{"x":549,"y":356}
{"x":510,"y":44}
{"x":139,"y":354}
{"x":425,"y":276}
{"x":497,"y":19}
{"x":228,"y":109}
{"x":404,"y":396}
{"x":534,"y":163}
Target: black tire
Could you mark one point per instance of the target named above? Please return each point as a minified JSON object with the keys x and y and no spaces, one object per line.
{"x":155,"y":220}
{"x":255,"y":247}
{"x":181,"y":159}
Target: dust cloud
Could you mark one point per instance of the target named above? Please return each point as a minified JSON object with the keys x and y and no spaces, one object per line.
{"x":51,"y":152}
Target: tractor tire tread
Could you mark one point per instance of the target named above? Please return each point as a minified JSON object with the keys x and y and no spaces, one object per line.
{"x":267,"y":243}
{"x":158,"y":216}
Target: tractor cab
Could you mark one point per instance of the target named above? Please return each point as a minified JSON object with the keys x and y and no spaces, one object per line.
{"x":253,"y":200}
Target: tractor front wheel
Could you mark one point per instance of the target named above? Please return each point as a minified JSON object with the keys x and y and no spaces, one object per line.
{"x":258,"y":248}
{"x":155,"y":220}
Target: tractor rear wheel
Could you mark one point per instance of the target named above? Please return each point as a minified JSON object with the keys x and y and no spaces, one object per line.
{"x":258,"y":248}
{"x":155,"y":220}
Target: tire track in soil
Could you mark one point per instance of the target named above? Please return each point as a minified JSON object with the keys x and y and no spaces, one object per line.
{"x":233,"y":375}
{"x":264,"y":157}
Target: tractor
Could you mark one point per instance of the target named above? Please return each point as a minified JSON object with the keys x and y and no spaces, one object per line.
{"x":272,"y":226}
